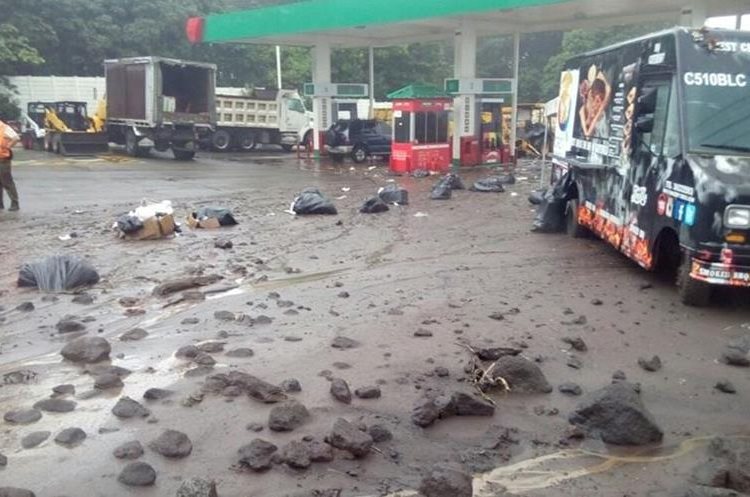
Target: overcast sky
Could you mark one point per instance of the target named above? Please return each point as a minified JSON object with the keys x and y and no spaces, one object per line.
{"x":729,"y":22}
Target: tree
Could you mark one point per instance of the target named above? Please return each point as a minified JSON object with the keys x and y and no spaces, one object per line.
{"x":15,"y":51}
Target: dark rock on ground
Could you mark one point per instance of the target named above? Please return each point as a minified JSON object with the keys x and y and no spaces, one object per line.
{"x":442,"y":372}
{"x":87,"y":350}
{"x":495,"y":353}
{"x":204,"y":359}
{"x":15,"y":492}
{"x":3,"y":461}
{"x":25,"y":307}
{"x":197,"y":487}
{"x":576,"y":343}
{"x":232,"y":391}
{"x":129,"y":450}
{"x":187,"y":352}
{"x":129,"y":408}
{"x":319,"y":451}
{"x":379,"y":433}
{"x":254,"y":387}
{"x":296,"y":455}
{"x":198,"y":371}
{"x":137,"y":474}
{"x":368,"y":392}
{"x":725,"y":386}
{"x":34,"y":439}
{"x":83,"y":299}
{"x":344,"y":343}
{"x":618,"y":376}
{"x":240,"y":352}
{"x":596,"y":302}
{"x":522,"y":375}
{"x":102,"y":369}
{"x":651,"y":365}
{"x":422,"y":333}
{"x":292,"y":338}
{"x":570,"y":389}
{"x":256,"y":427}
{"x":444,"y":481}
{"x":223,"y":243}
{"x":425,"y":412}
{"x":66,"y":389}
{"x":70,"y":437}
{"x":616,"y":415}
{"x":291,"y":385}
{"x":257,"y":455}
{"x":224,"y":315}
{"x":287,"y":416}
{"x":55,"y":405}
{"x":107,"y":380}
{"x":22,"y":416}
{"x":157,"y":393}
{"x":188,"y":321}
{"x":134,"y":335}
{"x":344,"y":295}
{"x":69,"y":325}
{"x":172,"y":443}
{"x":727,"y":467}
{"x":737,"y":352}
{"x":574,"y":362}
{"x":211,"y":347}
{"x":346,"y":436}
{"x":340,"y":391}
{"x":463,"y":404}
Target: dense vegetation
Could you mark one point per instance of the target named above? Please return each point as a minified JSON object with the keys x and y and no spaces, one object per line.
{"x":73,"y":37}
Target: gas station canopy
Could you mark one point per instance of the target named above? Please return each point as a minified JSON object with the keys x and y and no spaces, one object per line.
{"x":357,"y":23}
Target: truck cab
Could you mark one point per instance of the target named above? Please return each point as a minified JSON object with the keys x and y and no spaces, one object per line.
{"x":653,"y":141}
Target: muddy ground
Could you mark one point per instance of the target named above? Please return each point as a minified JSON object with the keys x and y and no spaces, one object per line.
{"x":439,"y":266}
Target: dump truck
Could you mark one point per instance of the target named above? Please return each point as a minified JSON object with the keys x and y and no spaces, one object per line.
{"x":159,"y":103}
{"x":250,"y":117}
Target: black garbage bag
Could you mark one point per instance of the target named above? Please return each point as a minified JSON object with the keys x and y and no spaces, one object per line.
{"x":393,"y":194}
{"x":224,"y":215}
{"x":129,"y":224}
{"x":454,"y":181}
{"x":550,"y":213}
{"x":373,"y":205}
{"x":420,"y":173}
{"x":492,"y":184}
{"x":441,"y":191}
{"x":311,"y":201}
{"x":58,"y":273}
{"x":506,"y":179}
{"x":537,"y":196}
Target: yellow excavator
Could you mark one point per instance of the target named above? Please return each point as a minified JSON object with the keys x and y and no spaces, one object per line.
{"x":70,"y":131}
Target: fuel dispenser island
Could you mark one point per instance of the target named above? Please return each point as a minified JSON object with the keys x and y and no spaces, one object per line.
{"x":483,"y":135}
{"x":421,"y":137}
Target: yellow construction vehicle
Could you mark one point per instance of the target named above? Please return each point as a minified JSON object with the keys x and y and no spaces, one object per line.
{"x":70,"y":131}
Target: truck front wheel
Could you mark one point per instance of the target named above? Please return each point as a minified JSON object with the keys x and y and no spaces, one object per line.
{"x":691,"y":291}
{"x":221,"y":140}
{"x":572,"y":226}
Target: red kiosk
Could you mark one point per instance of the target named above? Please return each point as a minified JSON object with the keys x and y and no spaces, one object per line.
{"x":420,"y":129}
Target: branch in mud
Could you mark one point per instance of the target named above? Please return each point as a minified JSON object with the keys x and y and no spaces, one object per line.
{"x":180,"y":284}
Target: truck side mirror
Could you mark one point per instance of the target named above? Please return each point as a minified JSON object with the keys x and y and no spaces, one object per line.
{"x":647,"y":101}
{"x":645,"y":123}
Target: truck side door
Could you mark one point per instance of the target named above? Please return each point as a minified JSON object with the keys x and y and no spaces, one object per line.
{"x":657,"y":143}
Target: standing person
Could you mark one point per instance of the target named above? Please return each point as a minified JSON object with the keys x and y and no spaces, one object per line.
{"x":8,"y":139}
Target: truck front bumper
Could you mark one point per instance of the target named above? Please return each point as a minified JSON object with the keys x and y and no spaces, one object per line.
{"x":718,"y":273}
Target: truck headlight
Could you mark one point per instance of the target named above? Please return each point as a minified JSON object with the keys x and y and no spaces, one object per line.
{"x":737,"y":216}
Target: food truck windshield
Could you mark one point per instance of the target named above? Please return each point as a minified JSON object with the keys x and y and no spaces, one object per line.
{"x":716,"y":81}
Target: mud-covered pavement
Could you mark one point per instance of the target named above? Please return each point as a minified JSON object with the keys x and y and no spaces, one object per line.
{"x":415,"y":288}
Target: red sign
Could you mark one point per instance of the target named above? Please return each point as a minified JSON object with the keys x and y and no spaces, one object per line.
{"x":661,"y":204}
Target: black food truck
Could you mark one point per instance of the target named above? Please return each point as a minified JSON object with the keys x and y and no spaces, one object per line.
{"x":652,"y":147}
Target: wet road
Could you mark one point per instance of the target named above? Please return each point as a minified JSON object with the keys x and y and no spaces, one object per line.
{"x":440,"y":266}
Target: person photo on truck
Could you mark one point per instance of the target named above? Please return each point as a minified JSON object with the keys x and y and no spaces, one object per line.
{"x":8,"y":139}
{"x":594,"y":105}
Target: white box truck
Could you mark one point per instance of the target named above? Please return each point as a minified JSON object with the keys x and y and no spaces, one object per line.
{"x":245,"y":118}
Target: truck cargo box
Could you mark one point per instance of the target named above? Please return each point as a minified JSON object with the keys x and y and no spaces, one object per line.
{"x":154,"y":91}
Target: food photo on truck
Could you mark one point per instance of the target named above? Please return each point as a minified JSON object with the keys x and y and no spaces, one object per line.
{"x":652,"y":154}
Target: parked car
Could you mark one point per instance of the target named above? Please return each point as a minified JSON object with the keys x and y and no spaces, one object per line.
{"x":359,"y":138}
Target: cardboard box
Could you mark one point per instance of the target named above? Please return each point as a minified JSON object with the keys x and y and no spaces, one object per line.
{"x":210,"y":223}
{"x":154,"y":228}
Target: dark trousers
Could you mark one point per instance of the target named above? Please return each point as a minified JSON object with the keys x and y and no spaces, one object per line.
{"x":7,"y":183}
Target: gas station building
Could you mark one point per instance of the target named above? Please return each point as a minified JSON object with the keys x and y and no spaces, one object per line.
{"x":324,"y":25}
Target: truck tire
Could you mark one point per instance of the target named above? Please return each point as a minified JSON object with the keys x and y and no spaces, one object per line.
{"x":691,"y":291}
{"x":183,"y":154}
{"x":131,"y":143}
{"x":572,"y":227}
{"x":359,"y":154}
{"x":247,"y":141}
{"x":221,"y":140}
